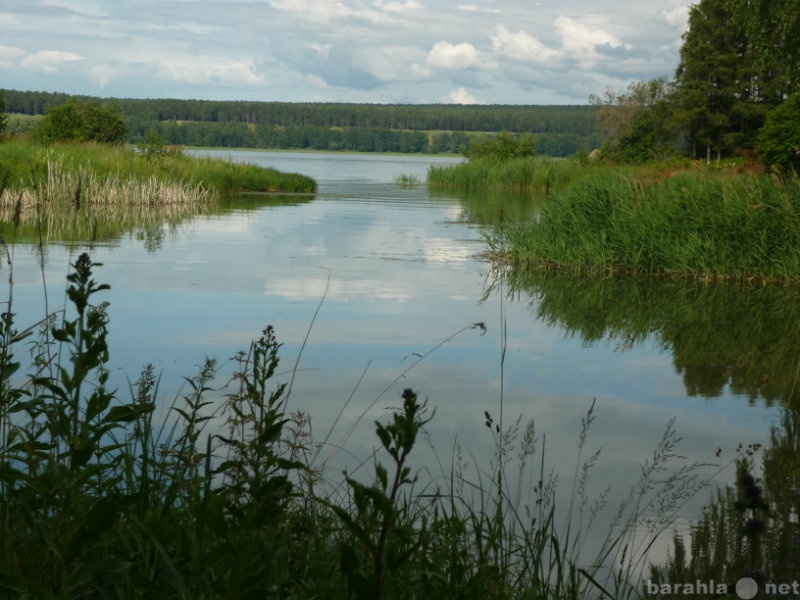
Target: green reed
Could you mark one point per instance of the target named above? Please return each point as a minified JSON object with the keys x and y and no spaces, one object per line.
{"x":530,"y":174}
{"x":124,"y":175}
{"x":698,"y":224}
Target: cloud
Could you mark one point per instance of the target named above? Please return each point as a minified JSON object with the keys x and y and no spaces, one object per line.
{"x":399,"y":7}
{"x":445,"y":55}
{"x":476,"y":8}
{"x":406,"y":51}
{"x":520,"y":45}
{"x":581,"y":41}
{"x":676,"y":15}
{"x":460,"y":96}
{"x":49,"y":61}
{"x":10,"y":57}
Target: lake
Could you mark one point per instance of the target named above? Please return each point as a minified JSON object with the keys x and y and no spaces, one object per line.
{"x":377,"y":287}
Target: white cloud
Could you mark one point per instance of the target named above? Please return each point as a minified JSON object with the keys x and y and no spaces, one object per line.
{"x":476,"y":8}
{"x":207,"y":70}
{"x":9,"y":57}
{"x":581,"y":41}
{"x":460,"y":96}
{"x":520,"y":45}
{"x":454,"y":56}
{"x":49,"y":61}
{"x":339,"y":50}
{"x":399,"y":7}
{"x":676,"y":15}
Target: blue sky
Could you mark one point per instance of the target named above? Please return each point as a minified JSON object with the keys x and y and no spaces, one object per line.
{"x":387,"y":51}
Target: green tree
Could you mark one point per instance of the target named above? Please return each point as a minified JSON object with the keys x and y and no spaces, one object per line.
{"x":772,"y":28}
{"x":83,"y":122}
{"x":778,"y":143}
{"x":634,"y":121}
{"x":720,"y":101}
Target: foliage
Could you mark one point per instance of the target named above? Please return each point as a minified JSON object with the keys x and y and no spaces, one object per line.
{"x":500,"y":148}
{"x":634,"y":121}
{"x":778,"y":142}
{"x":103,"y":174}
{"x":83,"y":122}
{"x":772,"y":28}
{"x":560,"y":130}
{"x":524,"y":174}
{"x":694,"y":224}
{"x":153,"y":147}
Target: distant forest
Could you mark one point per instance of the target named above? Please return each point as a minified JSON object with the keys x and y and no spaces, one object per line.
{"x":434,"y":128}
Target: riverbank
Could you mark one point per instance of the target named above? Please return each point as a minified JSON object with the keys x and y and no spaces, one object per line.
{"x":110,"y":174}
{"x":710,"y":223}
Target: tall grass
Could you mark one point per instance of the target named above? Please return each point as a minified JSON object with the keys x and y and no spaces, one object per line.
{"x":529,"y":174}
{"x":698,"y":224}
{"x":171,"y":176}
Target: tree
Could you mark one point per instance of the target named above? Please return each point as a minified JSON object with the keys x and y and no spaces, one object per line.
{"x":772,"y":28}
{"x":778,"y":143}
{"x":634,"y":121}
{"x":83,"y":122}
{"x":706,"y":77}
{"x":723,"y":93}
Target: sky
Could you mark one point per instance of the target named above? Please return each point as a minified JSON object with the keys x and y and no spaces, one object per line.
{"x":366,"y":51}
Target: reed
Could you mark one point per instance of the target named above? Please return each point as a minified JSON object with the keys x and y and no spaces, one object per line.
{"x":528,"y":174}
{"x":116,"y":175}
{"x":700,"y":224}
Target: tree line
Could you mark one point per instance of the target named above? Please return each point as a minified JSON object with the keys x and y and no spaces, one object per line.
{"x":415,"y":117}
{"x":560,"y":130}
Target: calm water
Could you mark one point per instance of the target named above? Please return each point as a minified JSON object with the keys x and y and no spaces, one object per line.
{"x":397,"y":274}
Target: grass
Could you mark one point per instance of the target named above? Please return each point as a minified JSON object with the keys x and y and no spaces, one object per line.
{"x":110,"y":174}
{"x":701,"y":224}
{"x":529,"y":174}
{"x":102,"y":496}
{"x":88,"y":191}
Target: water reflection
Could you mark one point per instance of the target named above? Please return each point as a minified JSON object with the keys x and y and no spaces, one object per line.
{"x":732,"y":338}
{"x":107,"y":224}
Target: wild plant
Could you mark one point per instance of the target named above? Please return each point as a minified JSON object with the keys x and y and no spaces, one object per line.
{"x":58,"y":455}
{"x":382,"y":532}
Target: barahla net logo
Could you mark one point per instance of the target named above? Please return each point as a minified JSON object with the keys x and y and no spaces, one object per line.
{"x":746,"y":588}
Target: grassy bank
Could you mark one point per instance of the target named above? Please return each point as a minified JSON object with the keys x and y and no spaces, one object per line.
{"x":698,"y":223}
{"x":107,"y":174}
{"x":102,"y":495}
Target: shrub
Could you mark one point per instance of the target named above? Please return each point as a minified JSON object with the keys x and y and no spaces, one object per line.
{"x":83,"y":122}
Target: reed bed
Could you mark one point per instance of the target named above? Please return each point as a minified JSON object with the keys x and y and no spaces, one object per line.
{"x":699,"y":224}
{"x":167,"y":177}
{"x":529,"y":174}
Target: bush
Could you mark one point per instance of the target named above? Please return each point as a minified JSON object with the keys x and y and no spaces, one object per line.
{"x":501,"y":147}
{"x":83,"y":122}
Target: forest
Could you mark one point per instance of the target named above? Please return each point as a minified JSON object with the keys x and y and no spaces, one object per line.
{"x":560,"y":130}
